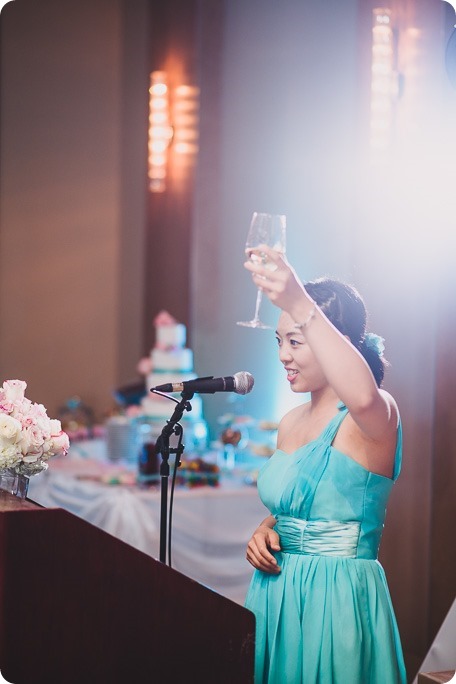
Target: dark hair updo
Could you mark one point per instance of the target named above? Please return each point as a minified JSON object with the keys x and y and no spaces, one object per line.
{"x":345,"y":308}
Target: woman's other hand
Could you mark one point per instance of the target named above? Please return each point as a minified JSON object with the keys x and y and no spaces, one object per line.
{"x":258,"y":549}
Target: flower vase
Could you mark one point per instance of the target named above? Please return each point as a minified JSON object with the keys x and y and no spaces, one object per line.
{"x":14,"y":483}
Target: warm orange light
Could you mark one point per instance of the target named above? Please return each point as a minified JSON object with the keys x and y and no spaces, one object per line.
{"x":182,"y":132}
{"x":160,"y":131}
{"x":186,"y":120}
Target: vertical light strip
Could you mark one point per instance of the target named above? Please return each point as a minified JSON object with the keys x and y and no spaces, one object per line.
{"x":186,"y":120}
{"x":383,"y":82}
{"x":160,"y":131}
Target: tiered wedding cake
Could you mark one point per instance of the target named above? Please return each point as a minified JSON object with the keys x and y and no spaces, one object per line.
{"x":170,"y":361}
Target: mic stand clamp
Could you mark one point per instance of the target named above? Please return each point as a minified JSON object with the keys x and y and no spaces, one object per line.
{"x":172,"y":427}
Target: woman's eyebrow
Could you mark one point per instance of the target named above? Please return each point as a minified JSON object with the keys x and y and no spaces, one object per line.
{"x":293,"y":333}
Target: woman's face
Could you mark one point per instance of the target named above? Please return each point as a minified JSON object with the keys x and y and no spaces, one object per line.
{"x":303,"y":371}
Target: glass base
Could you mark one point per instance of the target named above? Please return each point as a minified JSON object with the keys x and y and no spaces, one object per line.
{"x":254,"y":324}
{"x":14,"y":483}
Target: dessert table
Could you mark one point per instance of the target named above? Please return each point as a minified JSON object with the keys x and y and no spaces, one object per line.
{"x":210,"y":525}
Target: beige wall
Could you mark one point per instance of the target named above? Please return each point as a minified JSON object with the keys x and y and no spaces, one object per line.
{"x":69,"y":280}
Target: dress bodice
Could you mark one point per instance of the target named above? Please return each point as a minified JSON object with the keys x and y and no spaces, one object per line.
{"x":319,"y":483}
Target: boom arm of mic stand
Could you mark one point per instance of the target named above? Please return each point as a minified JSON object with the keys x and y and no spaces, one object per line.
{"x":164,"y":449}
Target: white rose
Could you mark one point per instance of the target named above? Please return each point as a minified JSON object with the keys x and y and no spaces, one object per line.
{"x":10,"y":428}
{"x":55,"y":426}
{"x":31,"y":440}
{"x":14,"y":390}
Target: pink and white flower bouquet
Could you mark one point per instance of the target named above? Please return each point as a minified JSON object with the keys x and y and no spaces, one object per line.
{"x":28,"y":437}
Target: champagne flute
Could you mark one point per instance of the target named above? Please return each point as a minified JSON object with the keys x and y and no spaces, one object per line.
{"x":265,"y":229}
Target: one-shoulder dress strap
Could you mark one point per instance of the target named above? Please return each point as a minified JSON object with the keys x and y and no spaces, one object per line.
{"x":329,"y":433}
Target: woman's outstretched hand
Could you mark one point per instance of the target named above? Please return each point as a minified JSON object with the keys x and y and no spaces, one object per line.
{"x":258,"y":554}
{"x":275,"y":277}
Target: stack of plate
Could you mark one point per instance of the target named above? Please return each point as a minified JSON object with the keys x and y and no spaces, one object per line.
{"x":121,"y":439}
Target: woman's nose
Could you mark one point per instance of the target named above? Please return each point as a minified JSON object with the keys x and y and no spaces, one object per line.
{"x":284,"y":354}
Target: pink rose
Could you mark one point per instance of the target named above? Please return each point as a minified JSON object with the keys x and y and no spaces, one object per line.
{"x":32,"y":440}
{"x":60,"y":444}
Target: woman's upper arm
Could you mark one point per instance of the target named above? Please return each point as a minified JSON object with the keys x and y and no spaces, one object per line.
{"x":377,"y":419}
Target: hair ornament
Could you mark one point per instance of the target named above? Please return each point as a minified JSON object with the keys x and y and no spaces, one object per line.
{"x":374,"y":343}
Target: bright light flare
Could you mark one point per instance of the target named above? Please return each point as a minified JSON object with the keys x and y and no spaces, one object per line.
{"x":160,"y":131}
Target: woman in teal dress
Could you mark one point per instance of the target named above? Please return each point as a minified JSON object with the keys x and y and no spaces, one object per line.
{"x":320,"y":597}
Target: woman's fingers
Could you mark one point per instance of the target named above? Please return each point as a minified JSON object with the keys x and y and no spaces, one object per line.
{"x":259,"y":555}
{"x":276,"y":278}
{"x":263,"y":258}
{"x":263,"y":276}
{"x":265,"y":252}
{"x":260,"y":563}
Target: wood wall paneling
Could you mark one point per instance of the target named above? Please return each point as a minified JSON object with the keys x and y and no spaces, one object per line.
{"x":173,"y":48}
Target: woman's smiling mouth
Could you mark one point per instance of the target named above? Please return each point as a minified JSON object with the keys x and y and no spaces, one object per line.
{"x":291,"y":374}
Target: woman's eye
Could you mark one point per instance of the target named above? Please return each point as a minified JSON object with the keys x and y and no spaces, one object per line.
{"x":278,"y":341}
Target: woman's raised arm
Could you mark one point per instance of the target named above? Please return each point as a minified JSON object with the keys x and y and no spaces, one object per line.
{"x":343,"y":365}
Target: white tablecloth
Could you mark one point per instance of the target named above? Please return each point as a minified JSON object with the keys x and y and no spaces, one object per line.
{"x":210,"y":526}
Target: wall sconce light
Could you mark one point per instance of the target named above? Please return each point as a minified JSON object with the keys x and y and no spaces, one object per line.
{"x":173,"y":127}
{"x":160,"y":131}
{"x":384,"y":81}
{"x":185,"y":119}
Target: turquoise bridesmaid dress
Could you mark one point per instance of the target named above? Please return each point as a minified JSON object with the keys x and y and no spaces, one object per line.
{"x":327,"y":617}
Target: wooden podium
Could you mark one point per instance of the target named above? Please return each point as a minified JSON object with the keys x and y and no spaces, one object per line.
{"x":78,"y":605}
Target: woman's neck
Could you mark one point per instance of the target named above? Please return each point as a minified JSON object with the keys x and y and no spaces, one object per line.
{"x":323,"y":400}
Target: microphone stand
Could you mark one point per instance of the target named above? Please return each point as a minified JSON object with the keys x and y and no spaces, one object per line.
{"x":172,"y":427}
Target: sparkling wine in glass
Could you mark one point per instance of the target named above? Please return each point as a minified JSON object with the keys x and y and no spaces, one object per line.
{"x":265,"y":229}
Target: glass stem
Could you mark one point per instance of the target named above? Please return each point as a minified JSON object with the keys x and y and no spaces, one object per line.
{"x":257,"y":305}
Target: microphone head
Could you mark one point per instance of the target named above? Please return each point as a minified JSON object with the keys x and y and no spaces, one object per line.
{"x":243,"y":382}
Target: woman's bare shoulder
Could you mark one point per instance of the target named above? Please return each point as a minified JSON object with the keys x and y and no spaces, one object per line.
{"x":290,"y":419}
{"x":295,"y":413}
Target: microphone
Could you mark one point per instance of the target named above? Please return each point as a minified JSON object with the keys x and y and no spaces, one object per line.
{"x":241,"y":383}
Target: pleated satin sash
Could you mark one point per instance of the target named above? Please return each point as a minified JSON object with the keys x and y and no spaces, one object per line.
{"x":318,"y":537}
